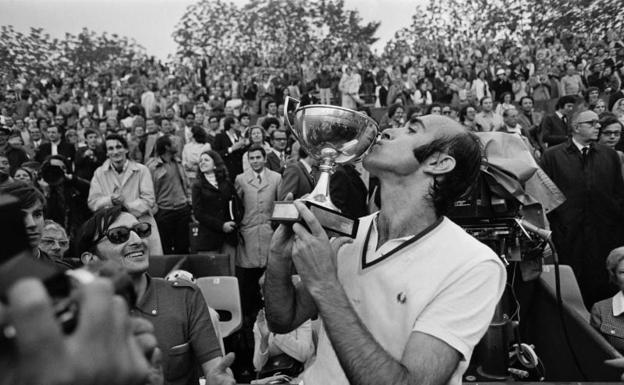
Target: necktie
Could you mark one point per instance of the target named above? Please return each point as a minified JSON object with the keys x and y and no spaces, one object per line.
{"x":584,"y":152}
{"x":565,"y":119}
{"x":259,"y":179}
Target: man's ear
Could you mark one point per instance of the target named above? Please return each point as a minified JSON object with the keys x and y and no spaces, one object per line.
{"x":439,"y":163}
{"x":88,"y":258}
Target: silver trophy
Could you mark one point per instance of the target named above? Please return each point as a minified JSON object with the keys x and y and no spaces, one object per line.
{"x":331,"y":135}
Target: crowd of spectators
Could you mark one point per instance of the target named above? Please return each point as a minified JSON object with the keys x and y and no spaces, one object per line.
{"x":204,"y":141}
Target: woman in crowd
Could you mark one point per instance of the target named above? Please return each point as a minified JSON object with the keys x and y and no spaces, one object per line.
{"x":23,"y":175}
{"x":618,"y":109}
{"x":607,"y":316}
{"x":422,"y":96}
{"x":610,"y":134}
{"x":395,"y":117}
{"x":599,"y":107}
{"x":255,"y":135}
{"x":467,"y":118}
{"x":192,"y":150}
{"x":505,"y":105}
{"x":215,"y":205}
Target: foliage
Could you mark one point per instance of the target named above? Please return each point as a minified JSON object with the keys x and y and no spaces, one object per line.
{"x":274,"y":32}
{"x":37,"y":53}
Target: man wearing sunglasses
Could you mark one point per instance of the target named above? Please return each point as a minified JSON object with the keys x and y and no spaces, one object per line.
{"x":589,"y":224}
{"x":177,"y":309}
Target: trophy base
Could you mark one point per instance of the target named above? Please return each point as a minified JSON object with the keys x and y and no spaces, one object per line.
{"x":334,"y":222}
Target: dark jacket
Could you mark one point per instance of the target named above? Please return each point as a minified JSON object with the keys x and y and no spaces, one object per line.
{"x":348,"y":192}
{"x":85,"y":165}
{"x":211,"y":208}
{"x":589,"y":224}
{"x":274,"y":163}
{"x":234,"y":160}
{"x":67,"y":204}
{"x":553,"y":130}
{"x":296,"y":180}
{"x":66,"y":149}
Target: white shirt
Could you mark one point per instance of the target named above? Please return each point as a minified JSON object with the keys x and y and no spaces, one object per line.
{"x":618,"y":304}
{"x":580,"y":146}
{"x":444,"y":283}
{"x":54,"y":148}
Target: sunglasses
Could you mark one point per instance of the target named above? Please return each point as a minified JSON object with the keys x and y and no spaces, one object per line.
{"x":118,"y":235}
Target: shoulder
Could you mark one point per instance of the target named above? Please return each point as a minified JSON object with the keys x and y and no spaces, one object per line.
{"x":602,"y":307}
{"x":272,"y":174}
{"x":177,"y":286}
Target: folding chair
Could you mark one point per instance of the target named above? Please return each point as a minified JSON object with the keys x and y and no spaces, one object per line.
{"x":222,"y":294}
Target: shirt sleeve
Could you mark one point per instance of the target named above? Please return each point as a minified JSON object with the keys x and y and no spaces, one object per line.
{"x":462,"y":312}
{"x":202,"y":334}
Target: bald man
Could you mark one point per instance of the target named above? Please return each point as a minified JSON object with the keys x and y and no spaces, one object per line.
{"x":408,"y":299}
{"x":589,"y":224}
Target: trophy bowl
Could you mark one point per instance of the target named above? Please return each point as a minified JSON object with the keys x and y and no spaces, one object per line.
{"x":331,"y":135}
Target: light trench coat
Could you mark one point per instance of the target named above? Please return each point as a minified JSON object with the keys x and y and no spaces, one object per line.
{"x":258,"y":199}
{"x":136,"y":186}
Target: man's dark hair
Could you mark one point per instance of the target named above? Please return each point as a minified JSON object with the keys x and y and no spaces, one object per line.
{"x":392,"y":109}
{"x":256,"y":147}
{"x":526,"y":97}
{"x":90,"y":132}
{"x":567,"y":99}
{"x":465,"y":148}
{"x":303,"y":153}
{"x":242,"y":115}
{"x":431,"y":107}
{"x":266,"y":122}
{"x":119,"y":138}
{"x":228,"y":122}
{"x":483,"y":98}
{"x":607,"y":119}
{"x":26,"y":194}
{"x":278,"y":130}
{"x":199,"y":134}
{"x":220,"y":170}
{"x":161,"y":145}
{"x":95,"y":227}
{"x":187,"y":113}
{"x":41,"y":120}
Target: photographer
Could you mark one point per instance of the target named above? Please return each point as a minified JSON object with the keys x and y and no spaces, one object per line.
{"x":66,"y":194}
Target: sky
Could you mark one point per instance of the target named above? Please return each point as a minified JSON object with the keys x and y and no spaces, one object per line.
{"x":151,"y":22}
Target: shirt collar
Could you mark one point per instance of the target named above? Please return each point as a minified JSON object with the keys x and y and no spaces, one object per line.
{"x":618,"y":304}
{"x":578,"y":145}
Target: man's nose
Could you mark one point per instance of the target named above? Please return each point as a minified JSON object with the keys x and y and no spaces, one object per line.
{"x":29,"y":220}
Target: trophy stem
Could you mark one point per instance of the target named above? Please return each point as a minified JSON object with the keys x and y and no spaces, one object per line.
{"x":320,"y":194}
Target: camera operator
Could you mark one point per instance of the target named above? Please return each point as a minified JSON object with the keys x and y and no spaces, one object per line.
{"x":66,"y":194}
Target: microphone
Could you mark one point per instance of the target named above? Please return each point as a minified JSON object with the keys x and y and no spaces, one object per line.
{"x":540,"y":232}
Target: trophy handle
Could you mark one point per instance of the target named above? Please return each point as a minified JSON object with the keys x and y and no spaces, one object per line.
{"x":287,"y":103}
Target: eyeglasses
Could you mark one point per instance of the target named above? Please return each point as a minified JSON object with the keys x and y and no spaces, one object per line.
{"x":51,"y":242}
{"x":446,"y":112}
{"x":611,"y":133}
{"x":590,"y":122}
{"x":118,"y":235}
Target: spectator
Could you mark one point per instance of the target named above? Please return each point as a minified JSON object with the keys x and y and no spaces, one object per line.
{"x":323,"y":84}
{"x":54,"y":240}
{"x":56,"y":146}
{"x":500,"y":85}
{"x":554,"y":128}
{"x":298,"y":178}
{"x":257,"y":189}
{"x":611,"y":133}
{"x":23,"y":175}
{"x":192,"y":150}
{"x":172,"y":197}
{"x":571,"y":82}
{"x":487,"y":119}
{"x":606,"y":315}
{"x":349,"y":87}
{"x":276,"y":156}
{"x":89,"y":157}
{"x":467,"y":117}
{"x":231,"y":146}
{"x":177,"y":309}
{"x":530,"y":120}
{"x":215,"y":206}
{"x":256,"y":136}
{"x":589,"y":223}
{"x":506,"y":104}
{"x":395,"y":117}
{"x":124,"y":182}
{"x":11,"y":146}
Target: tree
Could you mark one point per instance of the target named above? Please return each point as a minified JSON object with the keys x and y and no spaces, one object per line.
{"x":274,"y":32}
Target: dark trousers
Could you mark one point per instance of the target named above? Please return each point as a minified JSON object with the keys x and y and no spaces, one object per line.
{"x":251,"y":299}
{"x":173,"y":226}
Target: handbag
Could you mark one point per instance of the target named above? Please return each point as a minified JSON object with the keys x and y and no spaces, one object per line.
{"x":282,"y":364}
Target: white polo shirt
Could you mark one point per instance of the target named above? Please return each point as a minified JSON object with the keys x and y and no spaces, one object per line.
{"x":443,"y":283}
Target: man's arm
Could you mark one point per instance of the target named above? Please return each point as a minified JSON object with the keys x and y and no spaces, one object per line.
{"x":443,"y":333}
{"x":287,"y":305}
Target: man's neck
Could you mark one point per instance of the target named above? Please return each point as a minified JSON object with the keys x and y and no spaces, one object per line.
{"x":582,"y":141}
{"x":139,"y":282}
{"x":56,"y":142}
{"x":119,"y":166}
{"x":403,"y":213}
{"x":167,"y":157}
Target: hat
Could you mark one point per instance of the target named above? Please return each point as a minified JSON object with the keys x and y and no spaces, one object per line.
{"x":500,"y":72}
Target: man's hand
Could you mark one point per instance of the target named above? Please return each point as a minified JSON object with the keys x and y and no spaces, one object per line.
{"x":117,"y":199}
{"x":313,"y":255}
{"x":238,"y":145}
{"x":219,"y":374}
{"x":282,"y":239}
{"x":102,"y":350}
{"x":228,"y":227}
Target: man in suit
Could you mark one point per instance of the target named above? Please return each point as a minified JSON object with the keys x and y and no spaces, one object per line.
{"x":56,"y":146}
{"x":276,"y":158}
{"x":99,"y":109}
{"x":89,"y":158}
{"x":257,"y":189}
{"x":530,"y":120}
{"x":298,"y":177}
{"x":555,"y":126}
{"x":231,"y":146}
{"x":36,"y":140}
{"x":590,"y":222}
